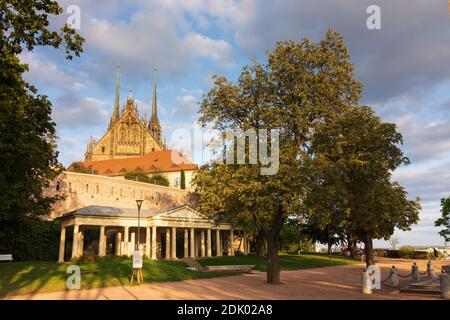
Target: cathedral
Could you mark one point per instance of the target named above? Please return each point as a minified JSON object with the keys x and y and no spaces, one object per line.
{"x":102,"y":198}
{"x":128,"y":134}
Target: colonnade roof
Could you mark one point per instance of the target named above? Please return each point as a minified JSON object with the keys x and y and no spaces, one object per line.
{"x":105,"y":211}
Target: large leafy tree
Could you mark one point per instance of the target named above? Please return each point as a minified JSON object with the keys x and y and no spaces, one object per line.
{"x":444,"y":220}
{"x":353,"y":164}
{"x":300,"y":87}
{"x":28,"y":159}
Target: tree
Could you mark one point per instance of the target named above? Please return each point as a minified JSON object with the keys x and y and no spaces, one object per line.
{"x":357,"y":156}
{"x":79,"y":168}
{"x":159,"y":179}
{"x":183,"y":180}
{"x":300,"y":87}
{"x":25,"y":25}
{"x":156,"y":178}
{"x":28,"y":157}
{"x":394,"y":242}
{"x":444,"y":220}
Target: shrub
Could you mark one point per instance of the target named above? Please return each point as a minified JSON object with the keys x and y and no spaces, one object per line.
{"x":31,"y":240}
{"x":403,"y":253}
{"x":156,"y":178}
{"x":79,"y":168}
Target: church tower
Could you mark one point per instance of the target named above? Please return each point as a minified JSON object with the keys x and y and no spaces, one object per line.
{"x":154,"y":125}
{"x":128,"y":135}
{"x":116,"y":112}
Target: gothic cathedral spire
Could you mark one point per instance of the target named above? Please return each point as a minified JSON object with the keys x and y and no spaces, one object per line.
{"x":116,"y":112}
{"x":154,"y":126}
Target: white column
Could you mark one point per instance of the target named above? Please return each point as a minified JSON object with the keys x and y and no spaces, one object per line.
{"x":218,"y":244}
{"x":186,"y":243}
{"x":203,"y":247}
{"x":118,"y":243}
{"x":126,"y":238}
{"x":196,"y":238}
{"x":75,"y":242}
{"x":208,"y":243}
{"x":154,"y":243}
{"x":167,"y":243}
{"x":132,"y":247}
{"x":147,"y":242}
{"x":62,"y":244}
{"x":231,"y":243}
{"x":245,"y":243}
{"x":80,"y":243}
{"x":192,"y":243}
{"x":174,"y":243}
{"x":101,"y":242}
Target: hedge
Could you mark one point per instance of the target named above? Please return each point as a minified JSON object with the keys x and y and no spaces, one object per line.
{"x":30,"y":240}
{"x":402,"y":254}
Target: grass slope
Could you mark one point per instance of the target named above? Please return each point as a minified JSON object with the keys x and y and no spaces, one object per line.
{"x":32,"y":277}
{"x":287,"y":261}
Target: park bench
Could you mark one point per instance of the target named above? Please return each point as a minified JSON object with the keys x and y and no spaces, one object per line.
{"x":6,"y":257}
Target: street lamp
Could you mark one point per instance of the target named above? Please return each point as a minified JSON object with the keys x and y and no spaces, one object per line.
{"x":139,"y":205}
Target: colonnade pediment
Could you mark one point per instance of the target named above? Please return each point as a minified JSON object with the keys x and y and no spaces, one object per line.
{"x":184,"y":213}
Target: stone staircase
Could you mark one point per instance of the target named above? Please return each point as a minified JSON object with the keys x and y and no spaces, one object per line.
{"x":430,"y":286}
{"x":194,"y":264}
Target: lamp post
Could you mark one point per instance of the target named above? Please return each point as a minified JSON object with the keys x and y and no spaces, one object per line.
{"x":139,"y":205}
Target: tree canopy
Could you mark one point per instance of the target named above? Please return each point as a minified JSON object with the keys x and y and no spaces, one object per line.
{"x":335,"y":156}
{"x":444,"y":220}
{"x":28,"y":157}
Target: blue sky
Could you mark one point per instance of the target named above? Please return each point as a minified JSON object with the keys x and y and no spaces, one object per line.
{"x":404,"y":66}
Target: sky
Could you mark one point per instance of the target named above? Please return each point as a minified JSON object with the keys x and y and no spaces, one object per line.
{"x":404,"y":67}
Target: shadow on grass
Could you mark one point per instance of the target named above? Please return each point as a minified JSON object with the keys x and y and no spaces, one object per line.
{"x":36,"y":277}
{"x":287,"y":261}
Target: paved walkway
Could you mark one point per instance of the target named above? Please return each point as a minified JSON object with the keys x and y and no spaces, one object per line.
{"x":337,"y":283}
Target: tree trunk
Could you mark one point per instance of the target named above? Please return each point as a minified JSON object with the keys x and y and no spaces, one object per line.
{"x":351,"y":243}
{"x":273,"y":271}
{"x":368,"y":249}
{"x":260,"y":244}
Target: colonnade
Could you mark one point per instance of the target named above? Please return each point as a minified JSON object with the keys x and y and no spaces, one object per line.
{"x":198,"y":242}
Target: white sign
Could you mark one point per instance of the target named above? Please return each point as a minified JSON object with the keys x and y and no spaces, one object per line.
{"x":137,"y":260}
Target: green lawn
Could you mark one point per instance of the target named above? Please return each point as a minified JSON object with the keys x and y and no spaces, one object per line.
{"x":30,"y":277}
{"x":287,"y":261}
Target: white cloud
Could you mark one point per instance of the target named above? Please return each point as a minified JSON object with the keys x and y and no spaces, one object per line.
{"x":70,"y":112}
{"x":216,"y":50}
{"x":186,"y":107}
{"x":51,"y":75}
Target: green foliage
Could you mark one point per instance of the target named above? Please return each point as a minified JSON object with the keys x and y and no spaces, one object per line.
{"x":156,"y":178}
{"x":159,"y":179}
{"x":287,"y":261}
{"x":294,"y":240}
{"x":444,"y":220}
{"x":25,"y":25}
{"x":138,"y":176}
{"x":183,"y":180}
{"x":350,"y":181}
{"x":407,"y":253}
{"x":79,"y":168}
{"x":300,"y":87}
{"x":31,"y":239}
{"x":28,"y":157}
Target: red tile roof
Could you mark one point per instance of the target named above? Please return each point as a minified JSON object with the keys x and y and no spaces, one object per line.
{"x":156,"y":161}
